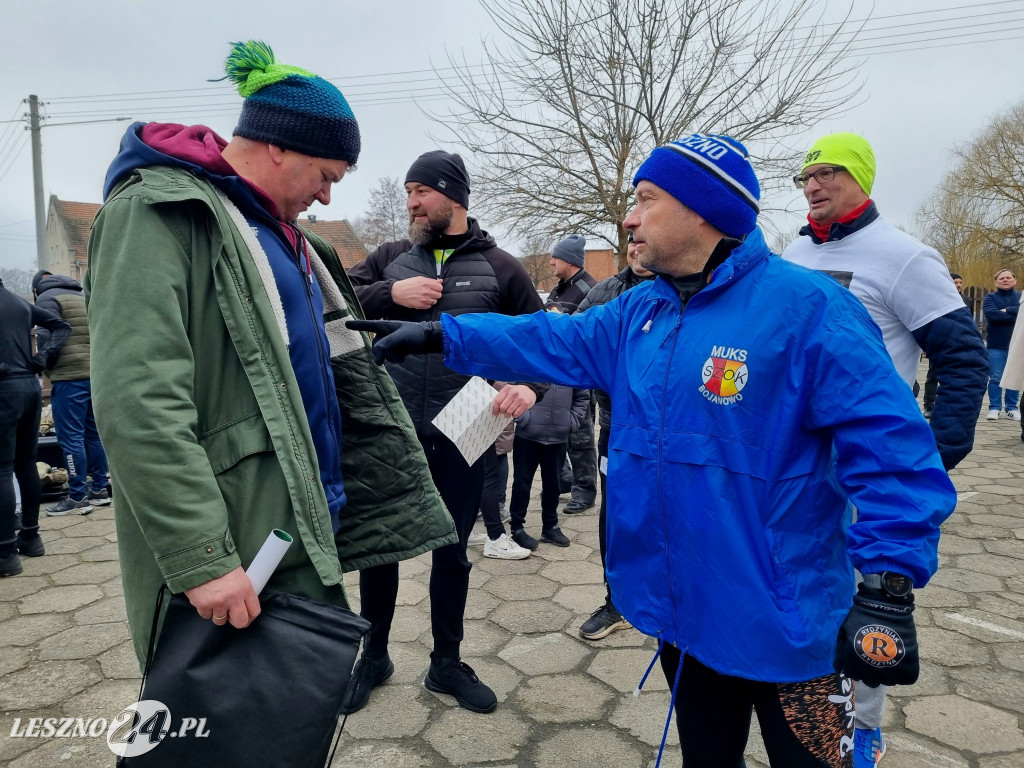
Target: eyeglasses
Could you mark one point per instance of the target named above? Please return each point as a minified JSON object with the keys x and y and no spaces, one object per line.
{"x":822,"y":176}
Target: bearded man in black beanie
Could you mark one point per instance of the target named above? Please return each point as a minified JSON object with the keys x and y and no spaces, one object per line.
{"x":448,"y":265}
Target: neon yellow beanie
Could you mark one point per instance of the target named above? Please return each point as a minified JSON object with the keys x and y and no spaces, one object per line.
{"x":848,"y":150}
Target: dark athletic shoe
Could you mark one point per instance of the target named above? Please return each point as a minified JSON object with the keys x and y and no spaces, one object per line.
{"x":10,"y":565}
{"x":99,"y":498}
{"x":457,"y":678}
{"x":523,"y":539}
{"x":68,"y":505}
{"x":554,"y":536}
{"x":602,"y":623}
{"x":30,"y":546}
{"x":575,"y":507}
{"x":368,"y":674}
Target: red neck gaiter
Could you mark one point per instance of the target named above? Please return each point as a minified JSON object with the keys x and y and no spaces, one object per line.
{"x":821,"y":230}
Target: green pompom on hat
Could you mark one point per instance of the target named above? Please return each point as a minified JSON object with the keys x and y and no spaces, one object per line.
{"x":291,"y":107}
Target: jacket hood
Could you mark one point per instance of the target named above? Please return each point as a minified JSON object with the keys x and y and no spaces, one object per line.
{"x":194,"y":148}
{"x":50,"y":281}
{"x":38,"y":277}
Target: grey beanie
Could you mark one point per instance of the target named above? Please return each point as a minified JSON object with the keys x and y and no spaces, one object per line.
{"x":570,"y":250}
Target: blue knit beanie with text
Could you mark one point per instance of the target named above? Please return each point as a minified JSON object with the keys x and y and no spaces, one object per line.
{"x":712,"y":176}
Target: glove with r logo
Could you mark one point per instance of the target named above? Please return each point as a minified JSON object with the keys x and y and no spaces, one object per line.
{"x":877,"y":642}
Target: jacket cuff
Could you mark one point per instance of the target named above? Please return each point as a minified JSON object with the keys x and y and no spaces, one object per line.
{"x":200,"y":563}
{"x":538,"y":388}
{"x":878,"y":565}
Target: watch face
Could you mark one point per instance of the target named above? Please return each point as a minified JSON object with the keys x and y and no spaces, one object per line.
{"x":896,"y":584}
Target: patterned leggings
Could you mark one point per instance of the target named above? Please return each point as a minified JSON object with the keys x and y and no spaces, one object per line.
{"x":803,"y":725}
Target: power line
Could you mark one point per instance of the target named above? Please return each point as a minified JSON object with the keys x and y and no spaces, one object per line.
{"x":14,"y":156}
{"x":870,"y":19}
{"x":15,"y":223}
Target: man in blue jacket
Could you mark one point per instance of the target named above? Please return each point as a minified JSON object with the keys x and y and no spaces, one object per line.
{"x":734,"y":376}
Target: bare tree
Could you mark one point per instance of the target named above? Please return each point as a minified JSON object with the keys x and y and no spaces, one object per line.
{"x":975,"y":217}
{"x":385,"y":218}
{"x":561,"y":120}
{"x":536,"y":259}
{"x":17,"y":281}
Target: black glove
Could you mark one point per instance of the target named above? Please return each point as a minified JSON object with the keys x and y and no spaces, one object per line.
{"x":39,"y":362}
{"x":396,"y":339}
{"x":877,"y":641}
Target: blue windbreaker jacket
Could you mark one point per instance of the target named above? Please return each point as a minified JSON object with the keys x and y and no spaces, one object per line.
{"x":727,"y":534}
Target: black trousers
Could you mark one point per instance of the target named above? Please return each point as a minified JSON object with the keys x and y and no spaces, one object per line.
{"x":526,"y":457}
{"x":803,"y":725}
{"x":602,"y":517}
{"x":20,"y":404}
{"x":460,"y":486}
{"x":495,"y":480}
{"x":583,"y":457}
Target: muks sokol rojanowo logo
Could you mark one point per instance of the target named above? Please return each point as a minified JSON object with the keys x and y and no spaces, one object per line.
{"x":724,"y":374}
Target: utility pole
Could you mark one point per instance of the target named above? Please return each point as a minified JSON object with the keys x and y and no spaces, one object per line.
{"x":37,"y":177}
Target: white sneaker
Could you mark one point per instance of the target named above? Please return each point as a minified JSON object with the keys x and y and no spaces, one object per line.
{"x":1014,"y":414}
{"x":993,"y":414}
{"x":476,"y":539}
{"x":504,"y":548}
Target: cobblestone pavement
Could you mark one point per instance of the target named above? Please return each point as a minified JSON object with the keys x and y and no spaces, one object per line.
{"x":64,"y":651}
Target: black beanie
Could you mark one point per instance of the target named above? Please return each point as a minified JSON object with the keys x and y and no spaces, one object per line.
{"x":444,"y":172}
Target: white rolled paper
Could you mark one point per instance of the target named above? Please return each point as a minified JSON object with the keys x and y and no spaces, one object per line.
{"x":267,"y":559}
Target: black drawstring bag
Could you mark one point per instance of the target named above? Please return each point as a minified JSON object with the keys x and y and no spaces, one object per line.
{"x":270,"y":694}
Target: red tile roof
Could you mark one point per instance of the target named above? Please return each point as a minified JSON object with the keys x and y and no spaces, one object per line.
{"x":340,"y":234}
{"x":78,"y":219}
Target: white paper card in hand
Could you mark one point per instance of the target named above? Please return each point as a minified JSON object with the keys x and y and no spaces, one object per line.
{"x":468,"y":422}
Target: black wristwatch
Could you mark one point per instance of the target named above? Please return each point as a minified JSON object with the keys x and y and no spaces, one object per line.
{"x":892,"y":583}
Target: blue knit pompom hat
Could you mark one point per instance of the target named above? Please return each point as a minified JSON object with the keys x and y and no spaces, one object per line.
{"x":291,"y":107}
{"x":712,"y":176}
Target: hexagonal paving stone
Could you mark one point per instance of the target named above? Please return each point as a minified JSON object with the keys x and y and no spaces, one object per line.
{"x":940,"y":597}
{"x":1006,"y":547}
{"x":12,"y":659}
{"x":1015,"y":760}
{"x":994,"y":565}
{"x":40,"y":566}
{"x":113,"y":588}
{"x":910,"y":751}
{"x":583,"y":572}
{"x":461,"y":736}
{"x":105,"y":699}
{"x":376,"y":755}
{"x":981,"y":625}
{"x":526,"y":587}
{"x":644,"y":717}
{"x":528,"y":616}
{"x":96,"y":554}
{"x":119,"y":663}
{"x":933,"y":681}
{"x":1004,"y":689}
{"x":482,"y":638}
{"x":83,"y":642}
{"x":477,"y":578}
{"x":411,"y":593}
{"x":43,"y":684}
{"x":29,"y":630}
{"x":107,"y":610}
{"x":544,"y":655}
{"x":480,"y":603}
{"x":623,"y":669}
{"x":591,"y":747}
{"x":588,"y":521}
{"x":966,"y":581}
{"x":409,"y":623}
{"x":59,"y":599}
{"x":584,"y":598}
{"x":393,"y":712}
{"x":554,"y":554}
{"x":87,"y":573}
{"x":93,"y":526}
{"x":17,"y":587}
{"x":964,"y":724}
{"x":505,"y":568}
{"x":954,"y":545}
{"x":562,"y":698}
{"x":62,"y":545}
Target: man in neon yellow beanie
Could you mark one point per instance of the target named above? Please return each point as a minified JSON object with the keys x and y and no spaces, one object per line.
{"x":906,"y":288}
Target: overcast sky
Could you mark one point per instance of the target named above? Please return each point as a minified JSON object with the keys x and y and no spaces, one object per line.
{"x":924,"y":92}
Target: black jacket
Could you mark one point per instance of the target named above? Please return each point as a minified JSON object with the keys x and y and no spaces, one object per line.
{"x":550,"y":421}
{"x":1000,"y":324}
{"x":568,"y":294}
{"x":602,"y":293}
{"x":17,"y":317}
{"x":478,"y":277}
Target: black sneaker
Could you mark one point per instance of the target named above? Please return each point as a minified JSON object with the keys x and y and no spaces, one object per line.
{"x":927,"y":413}
{"x":523,"y":539}
{"x":575,"y":507}
{"x":368,"y":674}
{"x":602,"y":623}
{"x":99,"y":498}
{"x":10,"y":565}
{"x":31,"y":545}
{"x":457,"y":678}
{"x":68,"y":505}
{"x":554,"y":536}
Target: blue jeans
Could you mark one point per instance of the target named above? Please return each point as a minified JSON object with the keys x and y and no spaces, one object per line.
{"x":76,"y":433}
{"x":996,"y":363}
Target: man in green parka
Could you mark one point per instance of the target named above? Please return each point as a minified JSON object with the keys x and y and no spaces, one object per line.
{"x":228,"y":393}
